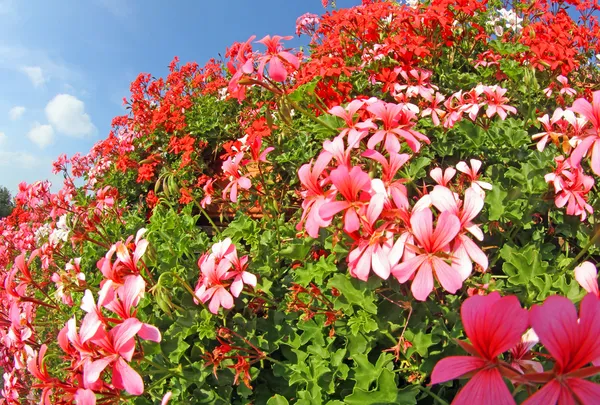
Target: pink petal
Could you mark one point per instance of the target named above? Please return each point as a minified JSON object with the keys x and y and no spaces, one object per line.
{"x":453,"y":367}
{"x":404,"y":271}
{"x":448,"y":226}
{"x":166,"y":398}
{"x":290,"y":58}
{"x":149,"y":332}
{"x":443,"y":199}
{"x":236,"y":286}
{"x":85,"y":397}
{"x":587,"y":277}
{"x":588,"y":349}
{"x":328,"y":210}
{"x":422,"y":284}
{"x":494,"y":324}
{"x":548,"y":395}
{"x":486,"y":387}
{"x":249,"y":279}
{"x":92,"y":370}
{"x":422,"y":226}
{"x":381,"y":263}
{"x":581,"y":150}
{"x":124,"y":332}
{"x":277,"y":71}
{"x":472,"y":205}
{"x":449,"y":278}
{"x":587,"y":392}
{"x":474,"y":252}
{"x":555,"y":322}
{"x":583,"y":107}
{"x":126,"y":377}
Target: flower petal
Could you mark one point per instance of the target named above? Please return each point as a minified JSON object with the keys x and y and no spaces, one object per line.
{"x":486,"y":387}
{"x":587,"y":277}
{"x":126,"y":377}
{"x":453,"y":367}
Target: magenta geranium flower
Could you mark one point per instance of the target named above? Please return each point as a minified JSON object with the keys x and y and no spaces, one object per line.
{"x":493,"y":325}
{"x":573,"y":343}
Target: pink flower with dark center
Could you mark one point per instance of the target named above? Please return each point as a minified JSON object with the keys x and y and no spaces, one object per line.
{"x":493,"y":325}
{"x":573,"y":343}
{"x":350,"y":183}
{"x":432,"y":254}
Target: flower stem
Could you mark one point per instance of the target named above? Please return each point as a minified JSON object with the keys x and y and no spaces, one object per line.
{"x":431,"y":394}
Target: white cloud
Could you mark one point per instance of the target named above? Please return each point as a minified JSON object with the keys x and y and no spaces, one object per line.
{"x":3,"y":138}
{"x":35,"y":74}
{"x":41,"y":135}
{"x":18,"y":159}
{"x":67,"y":115}
{"x":16,"y":112}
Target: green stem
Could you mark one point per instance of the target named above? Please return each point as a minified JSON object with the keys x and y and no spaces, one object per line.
{"x":184,"y":284}
{"x":585,"y":249}
{"x":218,"y":232}
{"x":431,"y":394}
{"x":268,"y":300}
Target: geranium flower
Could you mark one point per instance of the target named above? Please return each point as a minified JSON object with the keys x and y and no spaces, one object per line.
{"x":231,"y":168}
{"x":586,"y":275}
{"x":442,"y":179}
{"x":349,"y":183}
{"x":431,"y":255}
{"x":117,"y":347}
{"x":494,"y":325}
{"x":573,"y":343}
{"x":275,"y":56}
{"x":590,"y":142}
{"x":212,"y":284}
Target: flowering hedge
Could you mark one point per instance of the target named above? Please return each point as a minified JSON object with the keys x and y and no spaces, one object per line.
{"x":404,"y":213}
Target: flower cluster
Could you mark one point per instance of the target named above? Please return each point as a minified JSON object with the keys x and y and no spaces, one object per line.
{"x":577,"y":137}
{"x":222,"y":276}
{"x":390,"y":235}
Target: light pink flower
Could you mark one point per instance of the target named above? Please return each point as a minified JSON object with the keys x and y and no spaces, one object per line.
{"x":431,"y":254}
{"x":587,"y":277}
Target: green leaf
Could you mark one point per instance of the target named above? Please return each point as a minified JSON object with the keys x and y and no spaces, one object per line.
{"x":277,"y":400}
{"x":352,"y":293}
{"x":386,"y":392}
{"x":495,"y":202}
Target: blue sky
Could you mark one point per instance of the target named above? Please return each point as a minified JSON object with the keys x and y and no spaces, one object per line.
{"x":65,"y":65}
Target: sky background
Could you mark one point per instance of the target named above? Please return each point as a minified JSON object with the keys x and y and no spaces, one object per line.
{"x":65,"y":65}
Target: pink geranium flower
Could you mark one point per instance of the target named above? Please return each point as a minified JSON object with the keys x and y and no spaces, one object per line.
{"x":212,"y":284}
{"x":312,"y":180}
{"x":573,"y":343}
{"x":117,"y":347}
{"x":494,"y":325}
{"x":586,"y":275}
{"x":472,"y":172}
{"x":350,"y":183}
{"x":276,"y":56}
{"x":231,"y":168}
{"x":590,"y":142}
{"x":398,"y":122}
{"x":430,"y":259}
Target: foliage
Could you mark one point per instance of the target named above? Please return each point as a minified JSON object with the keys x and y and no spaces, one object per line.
{"x":329,"y":227}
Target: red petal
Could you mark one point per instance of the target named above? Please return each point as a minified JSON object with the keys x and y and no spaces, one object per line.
{"x":548,"y":395}
{"x":493,"y":324}
{"x":454,"y":367}
{"x":555,"y":322}
{"x":587,"y":392}
{"x":486,"y":387}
